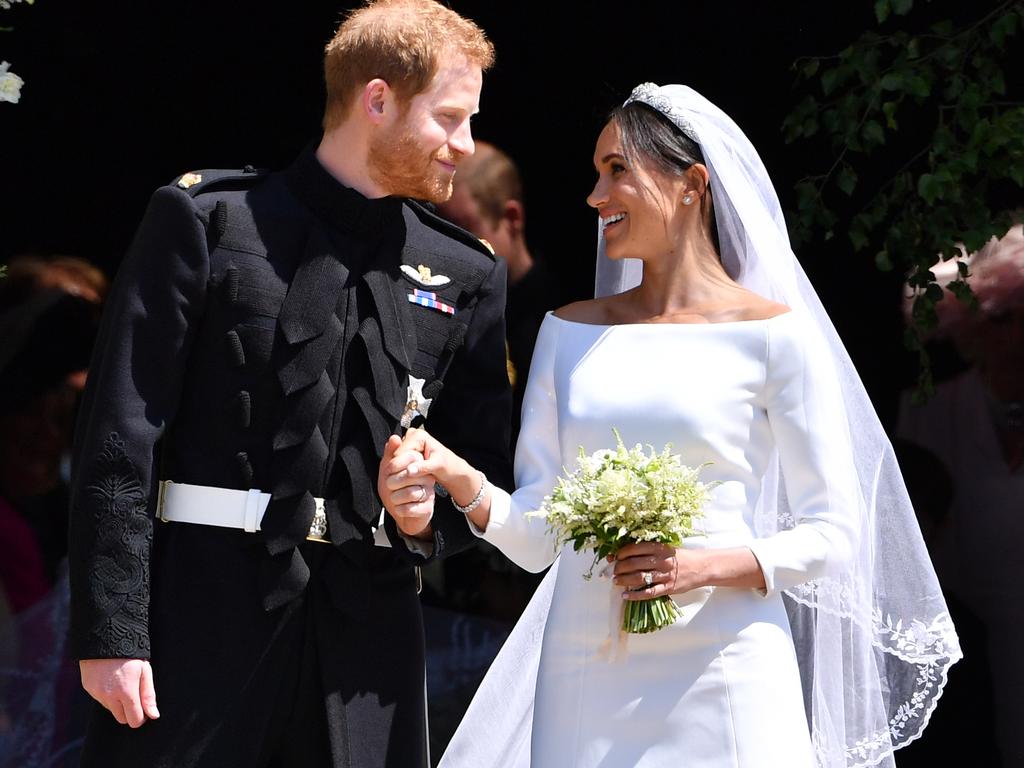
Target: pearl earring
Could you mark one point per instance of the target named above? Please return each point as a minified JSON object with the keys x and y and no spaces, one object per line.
{"x":687,"y":199}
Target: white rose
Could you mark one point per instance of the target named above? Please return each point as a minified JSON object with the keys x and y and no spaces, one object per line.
{"x":10,"y":84}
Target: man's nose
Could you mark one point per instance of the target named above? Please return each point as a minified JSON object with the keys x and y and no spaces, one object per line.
{"x":462,"y":140}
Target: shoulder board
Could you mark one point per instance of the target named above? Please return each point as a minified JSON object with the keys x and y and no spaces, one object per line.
{"x":430,"y":217}
{"x":218,"y":179}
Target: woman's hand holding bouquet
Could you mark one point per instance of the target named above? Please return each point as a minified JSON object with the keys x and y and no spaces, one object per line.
{"x":637,"y":508}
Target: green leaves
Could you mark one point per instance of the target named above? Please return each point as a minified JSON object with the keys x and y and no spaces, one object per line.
{"x":803,"y":120}
{"x":889,"y":110}
{"x":929,"y":188}
{"x":873,"y":134}
{"x":619,"y":495}
{"x":846,"y":179}
{"x":920,"y":133}
{"x":893,"y":81}
{"x":883,"y":8}
{"x":1003,"y":27}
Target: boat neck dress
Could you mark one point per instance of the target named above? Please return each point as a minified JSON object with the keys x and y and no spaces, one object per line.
{"x":721,"y":687}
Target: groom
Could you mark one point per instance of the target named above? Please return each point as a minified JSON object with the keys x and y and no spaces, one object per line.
{"x":265,"y":336}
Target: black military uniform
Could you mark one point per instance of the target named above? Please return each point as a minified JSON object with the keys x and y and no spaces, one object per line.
{"x":261,"y":334}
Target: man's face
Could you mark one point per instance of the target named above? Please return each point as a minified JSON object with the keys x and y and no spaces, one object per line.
{"x":417,"y":154}
{"x":463,"y":209}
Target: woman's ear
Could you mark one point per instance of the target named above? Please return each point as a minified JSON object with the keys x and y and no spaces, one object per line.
{"x":696,"y":183}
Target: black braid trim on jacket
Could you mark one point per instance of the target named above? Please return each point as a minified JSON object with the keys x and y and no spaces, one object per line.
{"x":124,"y":529}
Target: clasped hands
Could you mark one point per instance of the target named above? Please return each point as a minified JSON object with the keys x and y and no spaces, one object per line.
{"x":409,"y":470}
{"x":412,"y":465}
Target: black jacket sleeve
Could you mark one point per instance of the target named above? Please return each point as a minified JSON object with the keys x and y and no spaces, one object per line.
{"x":131,"y":396}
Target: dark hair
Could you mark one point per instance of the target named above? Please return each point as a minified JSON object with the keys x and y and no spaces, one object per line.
{"x":650,"y":138}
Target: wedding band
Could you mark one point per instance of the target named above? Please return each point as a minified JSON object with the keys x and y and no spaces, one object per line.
{"x":422,"y":495}
{"x":648,"y":578}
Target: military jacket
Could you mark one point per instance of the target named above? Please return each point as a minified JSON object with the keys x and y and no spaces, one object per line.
{"x":261,"y":333}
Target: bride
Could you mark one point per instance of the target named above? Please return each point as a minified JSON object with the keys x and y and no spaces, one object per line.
{"x":813,"y":631}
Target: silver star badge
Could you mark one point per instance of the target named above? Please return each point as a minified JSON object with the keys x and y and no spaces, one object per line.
{"x":415,"y":403}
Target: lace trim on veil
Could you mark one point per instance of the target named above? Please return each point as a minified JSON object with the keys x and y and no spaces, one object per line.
{"x":931,"y":649}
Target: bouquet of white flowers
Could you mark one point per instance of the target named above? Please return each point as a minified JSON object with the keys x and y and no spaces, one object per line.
{"x":622,"y":496}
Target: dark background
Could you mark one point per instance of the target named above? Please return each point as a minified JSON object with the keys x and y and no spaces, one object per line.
{"x":122,"y":97}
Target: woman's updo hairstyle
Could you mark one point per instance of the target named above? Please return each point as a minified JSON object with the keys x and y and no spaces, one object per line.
{"x":650,"y":138}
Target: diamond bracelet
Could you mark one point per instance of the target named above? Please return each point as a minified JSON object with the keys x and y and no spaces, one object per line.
{"x":476,"y":499}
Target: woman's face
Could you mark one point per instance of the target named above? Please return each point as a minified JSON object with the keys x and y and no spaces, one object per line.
{"x":637,"y":206}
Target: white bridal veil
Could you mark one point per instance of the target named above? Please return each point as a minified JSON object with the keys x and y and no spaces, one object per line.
{"x":874,"y":643}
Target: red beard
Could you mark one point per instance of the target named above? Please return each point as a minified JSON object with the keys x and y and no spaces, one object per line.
{"x":403,"y":168}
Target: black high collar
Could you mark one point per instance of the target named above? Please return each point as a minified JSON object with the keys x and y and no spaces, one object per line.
{"x":335,"y":203}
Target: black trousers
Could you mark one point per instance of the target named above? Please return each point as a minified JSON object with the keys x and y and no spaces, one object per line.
{"x":333,"y":679}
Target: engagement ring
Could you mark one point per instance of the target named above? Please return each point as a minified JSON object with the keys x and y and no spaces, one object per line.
{"x":648,"y":578}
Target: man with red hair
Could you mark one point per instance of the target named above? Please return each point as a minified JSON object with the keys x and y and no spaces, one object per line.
{"x":266,"y":334}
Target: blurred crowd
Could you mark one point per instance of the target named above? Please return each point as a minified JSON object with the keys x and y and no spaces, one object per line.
{"x":49,"y":315}
{"x":962,"y":453}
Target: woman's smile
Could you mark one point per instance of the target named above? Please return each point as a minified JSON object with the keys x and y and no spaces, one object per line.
{"x":610,"y":223}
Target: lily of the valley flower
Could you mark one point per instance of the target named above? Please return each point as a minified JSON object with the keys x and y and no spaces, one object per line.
{"x":10,"y":84}
{"x":621,"y":495}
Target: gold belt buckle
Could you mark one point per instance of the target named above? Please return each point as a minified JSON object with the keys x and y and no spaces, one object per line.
{"x":161,"y":499}
{"x":318,"y":528}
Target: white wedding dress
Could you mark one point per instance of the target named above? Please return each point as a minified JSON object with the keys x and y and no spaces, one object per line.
{"x":721,"y":687}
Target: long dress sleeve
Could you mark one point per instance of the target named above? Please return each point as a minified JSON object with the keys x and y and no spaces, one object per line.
{"x":132,"y":394}
{"x":525,"y":540}
{"x":815,"y":456}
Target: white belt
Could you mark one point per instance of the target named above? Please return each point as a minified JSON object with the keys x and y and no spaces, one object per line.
{"x":230,"y":508}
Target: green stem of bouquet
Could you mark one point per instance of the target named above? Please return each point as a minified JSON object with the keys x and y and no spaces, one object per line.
{"x":642,"y":616}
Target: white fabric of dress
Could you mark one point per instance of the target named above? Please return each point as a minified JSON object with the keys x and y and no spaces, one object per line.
{"x":721,"y":687}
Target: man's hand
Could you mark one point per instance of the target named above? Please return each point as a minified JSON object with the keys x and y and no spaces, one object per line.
{"x":124,"y":686}
{"x":417,"y":462}
{"x":408,"y":497}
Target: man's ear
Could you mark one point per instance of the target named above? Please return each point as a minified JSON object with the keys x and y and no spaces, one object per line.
{"x":514,"y":216}
{"x":377,"y":100}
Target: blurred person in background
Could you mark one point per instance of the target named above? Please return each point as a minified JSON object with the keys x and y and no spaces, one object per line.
{"x":974,"y":424}
{"x":49,"y":310}
{"x":487,"y":200}
{"x":967,"y":696}
{"x":487,"y":592}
